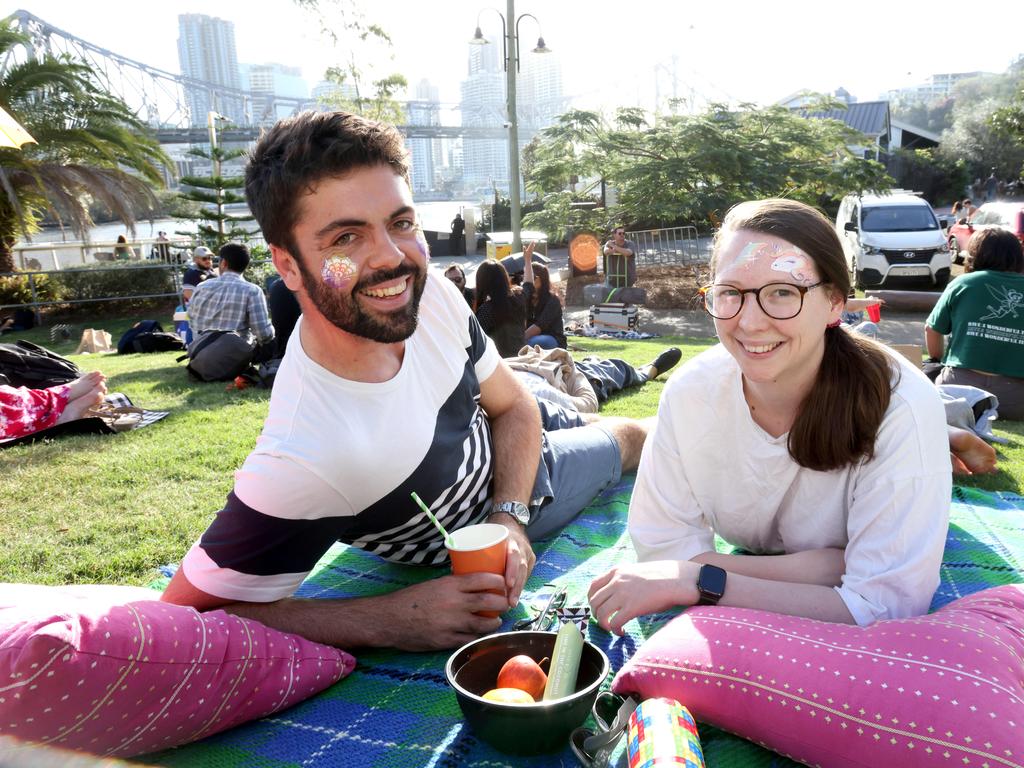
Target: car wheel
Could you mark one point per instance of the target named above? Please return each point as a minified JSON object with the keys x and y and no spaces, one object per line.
{"x":954,"y":251}
{"x":942,"y":282}
{"x":857,"y":277}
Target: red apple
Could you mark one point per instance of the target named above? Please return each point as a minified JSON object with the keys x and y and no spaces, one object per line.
{"x":523,"y":673}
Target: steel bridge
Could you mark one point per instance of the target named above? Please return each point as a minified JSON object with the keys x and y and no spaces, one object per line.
{"x":162,"y":99}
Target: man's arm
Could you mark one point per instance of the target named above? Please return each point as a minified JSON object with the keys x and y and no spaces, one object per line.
{"x":516,"y":435}
{"x":440,"y":613}
{"x":935,"y":342}
{"x":259,"y":317}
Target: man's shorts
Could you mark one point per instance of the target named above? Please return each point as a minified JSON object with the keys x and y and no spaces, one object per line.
{"x":576,"y":465}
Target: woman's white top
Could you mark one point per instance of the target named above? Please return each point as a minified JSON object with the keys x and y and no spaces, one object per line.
{"x":709,"y":468}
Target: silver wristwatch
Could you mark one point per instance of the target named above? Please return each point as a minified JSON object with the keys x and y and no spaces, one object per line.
{"x":517,"y":509}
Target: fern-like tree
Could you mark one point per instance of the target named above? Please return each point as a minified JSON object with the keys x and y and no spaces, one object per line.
{"x":90,"y":147}
{"x":215,"y":225}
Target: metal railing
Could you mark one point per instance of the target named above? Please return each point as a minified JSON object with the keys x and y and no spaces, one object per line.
{"x":176,"y":273}
{"x":58,"y":255}
{"x":673,"y":245}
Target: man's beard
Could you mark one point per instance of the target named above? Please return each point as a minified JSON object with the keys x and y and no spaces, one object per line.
{"x":345,"y":312}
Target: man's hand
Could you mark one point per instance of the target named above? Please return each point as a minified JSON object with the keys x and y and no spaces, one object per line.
{"x":441,"y":613}
{"x":519,"y":560}
{"x":628,"y":591}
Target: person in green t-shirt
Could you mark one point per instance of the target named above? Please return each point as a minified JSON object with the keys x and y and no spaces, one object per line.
{"x":983,"y":314}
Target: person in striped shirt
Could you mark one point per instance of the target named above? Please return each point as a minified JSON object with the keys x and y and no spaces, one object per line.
{"x":388,"y":386}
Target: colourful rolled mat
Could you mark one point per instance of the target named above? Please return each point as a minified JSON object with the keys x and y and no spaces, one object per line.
{"x":662,"y":732}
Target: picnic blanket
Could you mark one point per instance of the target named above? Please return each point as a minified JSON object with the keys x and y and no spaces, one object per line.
{"x":396,"y":708}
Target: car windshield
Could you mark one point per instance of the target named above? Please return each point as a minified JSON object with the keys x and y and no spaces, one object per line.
{"x":897,"y":218}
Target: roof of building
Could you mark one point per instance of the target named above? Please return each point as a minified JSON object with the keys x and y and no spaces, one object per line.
{"x":868,"y":117}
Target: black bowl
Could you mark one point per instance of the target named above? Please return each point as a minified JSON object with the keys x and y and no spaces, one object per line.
{"x":521,"y":729}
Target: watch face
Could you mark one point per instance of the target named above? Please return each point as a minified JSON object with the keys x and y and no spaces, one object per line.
{"x":711,"y":581}
{"x":518,"y":510}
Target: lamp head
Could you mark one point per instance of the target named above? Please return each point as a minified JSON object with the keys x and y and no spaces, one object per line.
{"x":541,"y":46}
{"x":478,"y":38}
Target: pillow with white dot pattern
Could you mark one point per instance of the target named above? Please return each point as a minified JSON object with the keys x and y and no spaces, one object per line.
{"x":945,"y":689}
{"x":114,"y":671}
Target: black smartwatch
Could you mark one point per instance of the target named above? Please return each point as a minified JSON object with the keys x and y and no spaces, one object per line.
{"x":710,"y":584}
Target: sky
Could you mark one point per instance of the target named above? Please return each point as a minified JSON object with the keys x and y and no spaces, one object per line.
{"x":612,"y":54}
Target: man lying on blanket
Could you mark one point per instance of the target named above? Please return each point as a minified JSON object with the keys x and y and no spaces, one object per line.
{"x":394,"y":388}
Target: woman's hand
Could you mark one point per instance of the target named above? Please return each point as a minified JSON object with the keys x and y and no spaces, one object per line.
{"x":628,"y":591}
{"x":528,"y":263}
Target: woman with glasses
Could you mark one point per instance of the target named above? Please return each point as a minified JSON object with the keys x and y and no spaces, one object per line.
{"x":816,"y":451}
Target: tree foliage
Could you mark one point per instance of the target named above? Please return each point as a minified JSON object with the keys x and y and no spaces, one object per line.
{"x":203,"y":200}
{"x":982,"y":133}
{"x":686,"y":169}
{"x":361,"y":87}
{"x":90,"y":147}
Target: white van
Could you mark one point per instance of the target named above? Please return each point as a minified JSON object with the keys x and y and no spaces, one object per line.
{"x":893,"y":239}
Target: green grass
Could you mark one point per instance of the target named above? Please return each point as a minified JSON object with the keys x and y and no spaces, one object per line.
{"x":110,"y":508}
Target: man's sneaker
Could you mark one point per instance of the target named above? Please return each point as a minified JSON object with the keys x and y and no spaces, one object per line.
{"x":665,"y":361}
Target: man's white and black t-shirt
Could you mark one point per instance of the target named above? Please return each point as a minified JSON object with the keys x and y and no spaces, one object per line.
{"x":337,"y":461}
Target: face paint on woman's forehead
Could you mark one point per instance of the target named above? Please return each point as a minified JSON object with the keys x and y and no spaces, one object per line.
{"x":785,"y":257}
{"x":338,"y":271}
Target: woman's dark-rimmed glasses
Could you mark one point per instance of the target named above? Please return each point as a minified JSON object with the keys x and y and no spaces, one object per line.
{"x":780,"y":301}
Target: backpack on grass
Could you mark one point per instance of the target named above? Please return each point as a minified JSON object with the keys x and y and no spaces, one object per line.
{"x":148,"y":336}
{"x":219,"y":356}
{"x":24,"y":364}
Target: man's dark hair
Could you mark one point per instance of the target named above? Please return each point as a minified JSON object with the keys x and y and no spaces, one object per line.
{"x":297,"y":153}
{"x":235,"y":255}
{"x":457,"y":268}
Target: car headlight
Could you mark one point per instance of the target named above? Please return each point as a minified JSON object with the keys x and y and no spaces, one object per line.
{"x":944,"y":248}
{"x":871,"y":250}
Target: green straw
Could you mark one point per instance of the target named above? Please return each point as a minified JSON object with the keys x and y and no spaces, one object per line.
{"x":447,"y":538}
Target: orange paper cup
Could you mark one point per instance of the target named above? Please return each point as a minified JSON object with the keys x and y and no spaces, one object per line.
{"x":875,"y":312}
{"x":480,"y":549}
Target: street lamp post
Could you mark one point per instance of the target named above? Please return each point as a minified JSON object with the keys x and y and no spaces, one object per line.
{"x":510,"y":45}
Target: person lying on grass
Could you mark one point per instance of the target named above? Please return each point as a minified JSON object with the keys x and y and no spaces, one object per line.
{"x":24,"y":411}
{"x":818,"y":452}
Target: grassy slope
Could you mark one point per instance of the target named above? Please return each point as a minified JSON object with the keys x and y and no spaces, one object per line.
{"x":111,"y":508}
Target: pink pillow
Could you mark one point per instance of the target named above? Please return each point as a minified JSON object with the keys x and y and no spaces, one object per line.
{"x":945,"y":689}
{"x":114,"y":671}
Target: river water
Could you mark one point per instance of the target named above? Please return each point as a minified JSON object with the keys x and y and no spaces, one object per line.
{"x":434,"y":216}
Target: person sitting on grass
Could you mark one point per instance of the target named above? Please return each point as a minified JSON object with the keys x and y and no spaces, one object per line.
{"x":24,"y":411}
{"x":545,"y":326}
{"x":983,"y":314}
{"x":819,"y":453}
{"x":500,"y":306}
{"x":389,"y":387}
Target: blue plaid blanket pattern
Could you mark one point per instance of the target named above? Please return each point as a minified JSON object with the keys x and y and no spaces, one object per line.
{"x":396,"y":709}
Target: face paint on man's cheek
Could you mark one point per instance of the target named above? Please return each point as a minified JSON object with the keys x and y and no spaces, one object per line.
{"x":421,"y":244}
{"x":338,"y":272}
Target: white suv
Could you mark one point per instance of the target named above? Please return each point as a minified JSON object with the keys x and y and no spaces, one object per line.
{"x":893,"y":238}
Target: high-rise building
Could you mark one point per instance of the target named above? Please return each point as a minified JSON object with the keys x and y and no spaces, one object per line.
{"x":484,"y":161}
{"x":539,"y":101}
{"x":206,"y":53}
{"x":277,"y":91}
{"x":426,"y":152}
{"x":936,"y":88}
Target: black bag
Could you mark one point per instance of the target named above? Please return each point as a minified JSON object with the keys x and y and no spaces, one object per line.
{"x":219,"y":356}
{"x":157,"y":341}
{"x":124,"y":344}
{"x":25,"y":364}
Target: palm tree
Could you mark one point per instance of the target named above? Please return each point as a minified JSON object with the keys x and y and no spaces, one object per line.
{"x":91,"y":147}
